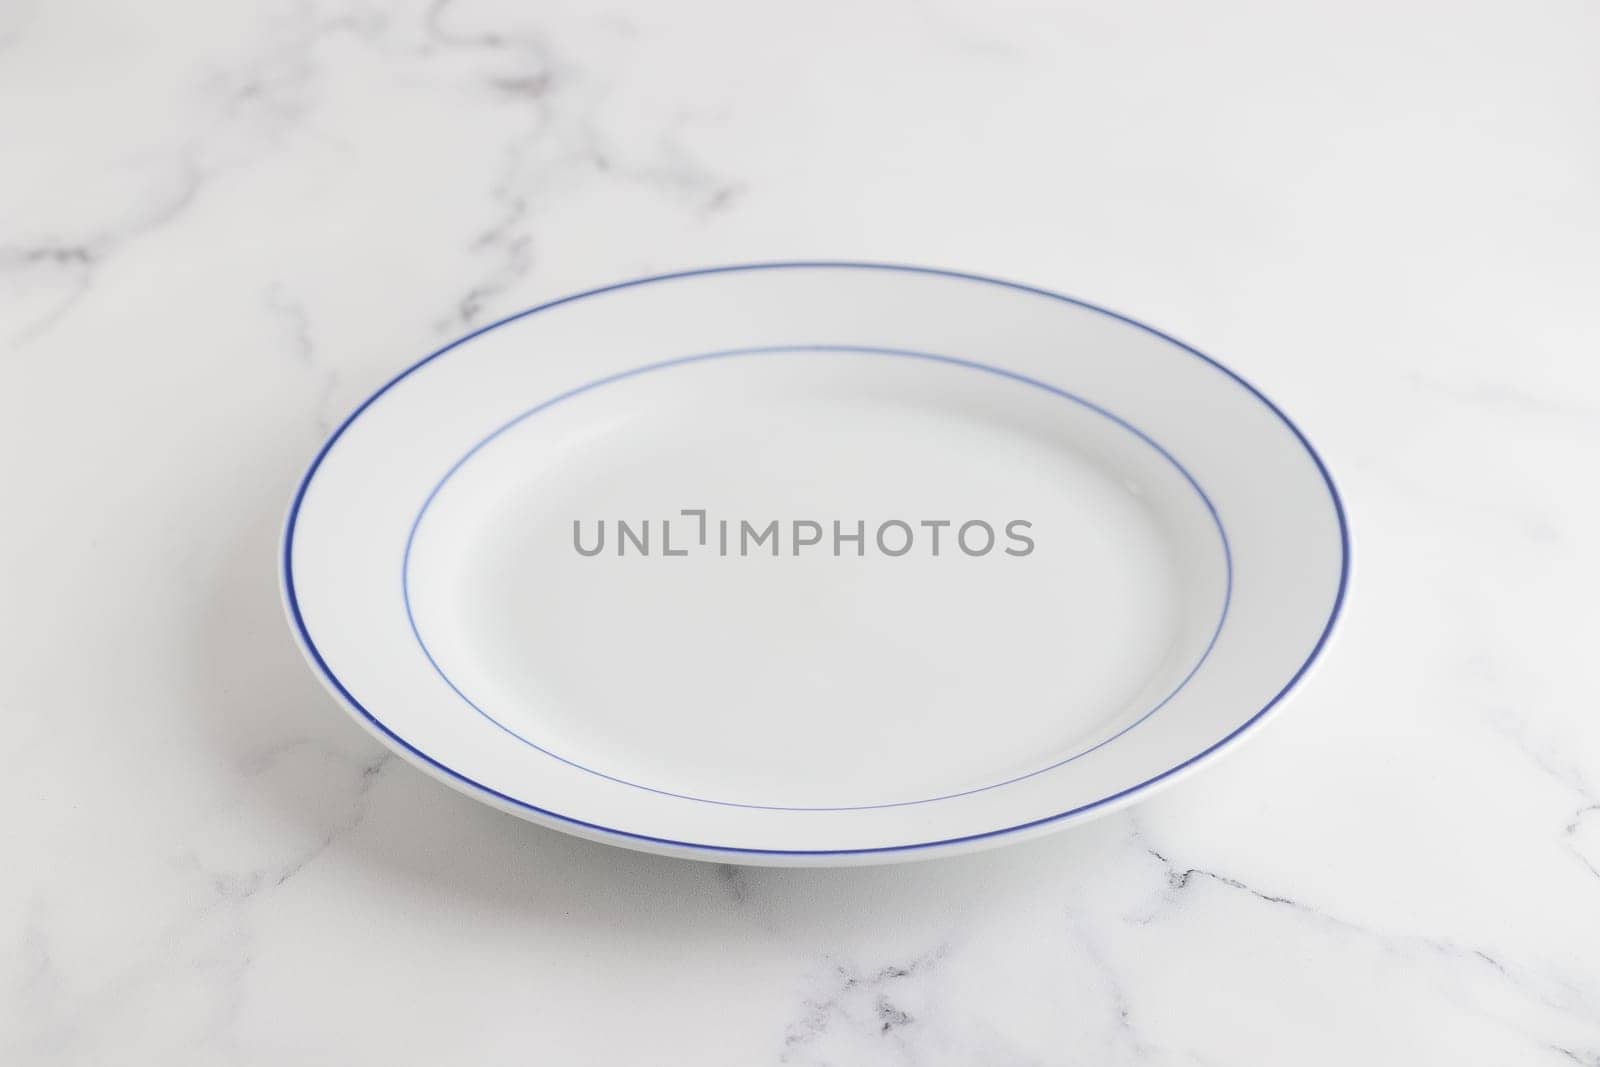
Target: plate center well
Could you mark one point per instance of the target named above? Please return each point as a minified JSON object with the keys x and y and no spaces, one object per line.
{"x":1032,"y":578}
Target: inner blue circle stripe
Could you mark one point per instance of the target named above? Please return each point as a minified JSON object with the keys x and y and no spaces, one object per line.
{"x":303,"y":635}
{"x":769,"y":350}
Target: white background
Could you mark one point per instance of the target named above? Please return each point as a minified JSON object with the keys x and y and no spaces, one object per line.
{"x":222,"y":225}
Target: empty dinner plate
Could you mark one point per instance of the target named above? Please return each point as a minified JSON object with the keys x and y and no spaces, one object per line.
{"x":813,"y":563}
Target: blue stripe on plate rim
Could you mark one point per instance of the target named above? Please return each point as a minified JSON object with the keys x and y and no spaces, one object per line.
{"x":331,"y":680}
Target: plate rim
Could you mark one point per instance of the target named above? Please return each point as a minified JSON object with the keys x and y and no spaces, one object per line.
{"x":588,"y":828}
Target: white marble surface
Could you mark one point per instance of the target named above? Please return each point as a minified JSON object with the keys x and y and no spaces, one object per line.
{"x":221,"y":225}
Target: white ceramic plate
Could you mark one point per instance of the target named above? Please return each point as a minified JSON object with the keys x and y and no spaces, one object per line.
{"x":813,"y":563}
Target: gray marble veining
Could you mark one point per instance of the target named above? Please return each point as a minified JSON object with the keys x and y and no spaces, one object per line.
{"x":221,"y":226}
